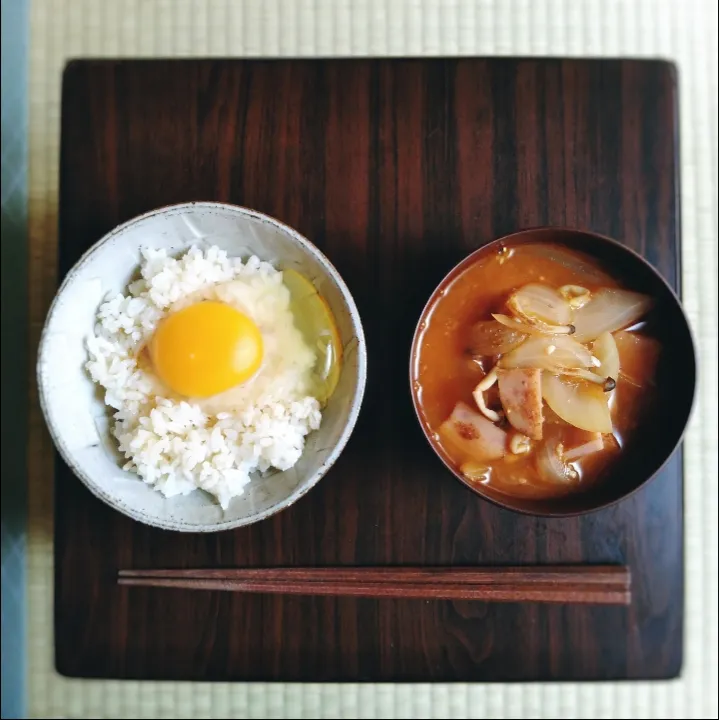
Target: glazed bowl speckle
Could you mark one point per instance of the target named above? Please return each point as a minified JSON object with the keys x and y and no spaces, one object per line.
{"x":77,"y":417}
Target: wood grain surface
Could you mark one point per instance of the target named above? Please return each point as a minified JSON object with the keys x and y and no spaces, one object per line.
{"x":591,"y":584}
{"x":396,"y":170}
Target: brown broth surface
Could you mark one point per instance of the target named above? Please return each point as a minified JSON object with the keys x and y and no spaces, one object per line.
{"x":445,"y":373}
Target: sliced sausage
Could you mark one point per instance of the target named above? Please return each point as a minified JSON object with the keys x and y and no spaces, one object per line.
{"x":520,"y":392}
{"x":473,"y":434}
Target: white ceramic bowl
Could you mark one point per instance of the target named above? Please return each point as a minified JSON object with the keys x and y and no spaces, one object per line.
{"x":78,"y":418}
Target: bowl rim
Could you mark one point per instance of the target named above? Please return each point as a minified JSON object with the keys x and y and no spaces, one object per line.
{"x":519,"y":235}
{"x":300,"y":490}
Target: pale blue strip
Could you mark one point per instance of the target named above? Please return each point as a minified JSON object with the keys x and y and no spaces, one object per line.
{"x":13,"y":328}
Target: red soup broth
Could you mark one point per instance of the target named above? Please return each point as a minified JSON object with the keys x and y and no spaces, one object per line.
{"x":445,"y":372}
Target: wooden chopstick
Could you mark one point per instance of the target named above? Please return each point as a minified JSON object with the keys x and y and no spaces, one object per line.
{"x":605,"y":585}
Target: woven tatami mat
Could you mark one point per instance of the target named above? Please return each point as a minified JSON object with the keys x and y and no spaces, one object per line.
{"x":685,"y":31}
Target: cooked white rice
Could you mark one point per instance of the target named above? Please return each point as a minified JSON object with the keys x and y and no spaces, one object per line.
{"x":215,"y":444}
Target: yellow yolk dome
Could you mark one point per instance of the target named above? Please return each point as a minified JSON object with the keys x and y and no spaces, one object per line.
{"x":206,"y":348}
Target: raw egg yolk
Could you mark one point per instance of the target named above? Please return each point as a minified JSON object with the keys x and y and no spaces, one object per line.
{"x":205,"y":349}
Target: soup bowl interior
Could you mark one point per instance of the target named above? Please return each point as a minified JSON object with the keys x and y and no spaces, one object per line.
{"x":74,"y":408}
{"x":655,"y":439}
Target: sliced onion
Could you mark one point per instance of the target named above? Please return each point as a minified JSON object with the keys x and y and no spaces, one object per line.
{"x":605,"y":350}
{"x":609,"y":309}
{"x":551,"y":466}
{"x":517,"y":325}
{"x":548,"y":353}
{"x":579,"y":403}
{"x":488,"y":337}
{"x":593,"y":445}
{"x":551,"y":418}
{"x":567,"y":259}
{"x":540,"y":304}
{"x":535,"y":328}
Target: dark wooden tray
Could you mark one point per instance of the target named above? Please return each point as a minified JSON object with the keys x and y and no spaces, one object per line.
{"x":396,"y":169}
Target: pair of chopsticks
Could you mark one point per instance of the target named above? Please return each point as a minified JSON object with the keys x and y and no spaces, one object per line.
{"x":598,"y":584}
